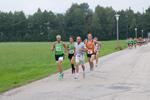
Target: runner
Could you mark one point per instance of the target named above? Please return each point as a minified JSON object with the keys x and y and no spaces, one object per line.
{"x":96,"y":50}
{"x":59,"y":47}
{"x":135,"y":42}
{"x":90,"y":51}
{"x":71,"y":48}
{"x":79,"y":56}
{"x":130,"y":43}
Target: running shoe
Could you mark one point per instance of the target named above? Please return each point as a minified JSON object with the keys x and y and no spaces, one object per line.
{"x":96,"y":65}
{"x":76,"y":76}
{"x":60,"y":76}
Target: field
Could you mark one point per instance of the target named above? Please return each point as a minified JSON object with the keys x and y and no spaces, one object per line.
{"x":21,"y":63}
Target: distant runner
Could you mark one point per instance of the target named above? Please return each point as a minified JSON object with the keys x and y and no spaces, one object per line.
{"x":71,"y":50}
{"x":130,"y":43}
{"x":79,"y":56}
{"x":96,"y":50}
{"x":59,"y":47}
{"x":135,"y":42}
{"x":90,"y":51}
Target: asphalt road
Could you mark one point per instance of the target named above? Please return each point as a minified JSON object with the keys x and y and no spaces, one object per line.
{"x":124,"y":75}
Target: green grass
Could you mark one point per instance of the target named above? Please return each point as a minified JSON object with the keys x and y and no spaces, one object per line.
{"x":21,"y":63}
{"x":108,"y":47}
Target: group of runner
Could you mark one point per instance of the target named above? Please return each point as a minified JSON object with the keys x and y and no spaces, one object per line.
{"x":136,"y":42}
{"x":76,"y":53}
{"x":132,"y":43}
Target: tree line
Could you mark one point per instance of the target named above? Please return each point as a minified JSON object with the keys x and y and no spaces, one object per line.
{"x":79,"y":19}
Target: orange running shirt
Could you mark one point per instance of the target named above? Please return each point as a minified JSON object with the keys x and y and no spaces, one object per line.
{"x":90,"y":47}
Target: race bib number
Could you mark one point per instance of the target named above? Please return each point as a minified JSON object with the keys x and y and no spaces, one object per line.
{"x":89,"y":52}
{"x":71,"y":51}
{"x":58,"y":49}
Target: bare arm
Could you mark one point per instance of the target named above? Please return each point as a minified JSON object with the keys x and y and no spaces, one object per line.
{"x":74,"y":51}
{"x":65,"y":47}
{"x":53,"y":47}
{"x":99,"y":43}
{"x":84,"y":49}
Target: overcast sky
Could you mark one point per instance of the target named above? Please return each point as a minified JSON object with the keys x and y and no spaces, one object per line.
{"x":60,"y":6}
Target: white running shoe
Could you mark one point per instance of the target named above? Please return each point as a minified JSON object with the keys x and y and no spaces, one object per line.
{"x":76,"y":76}
{"x":96,"y":65}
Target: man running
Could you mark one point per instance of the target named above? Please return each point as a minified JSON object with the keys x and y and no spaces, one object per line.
{"x":90,"y":51}
{"x":96,"y":50}
{"x":71,"y":49}
{"x":59,"y":47}
{"x":79,"y":56}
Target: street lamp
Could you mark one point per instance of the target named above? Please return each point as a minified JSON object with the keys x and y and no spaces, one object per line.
{"x":117,"y":19}
{"x":142,"y":32}
{"x":148,"y":36}
{"x":135,"y":32}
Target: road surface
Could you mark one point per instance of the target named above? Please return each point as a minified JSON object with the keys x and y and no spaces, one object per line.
{"x":124,"y":75}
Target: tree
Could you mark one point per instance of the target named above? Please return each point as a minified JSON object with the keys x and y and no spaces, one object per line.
{"x":79,"y":19}
{"x":103,"y":22}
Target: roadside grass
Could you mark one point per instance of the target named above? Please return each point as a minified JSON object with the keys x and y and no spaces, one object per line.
{"x":24,"y":62}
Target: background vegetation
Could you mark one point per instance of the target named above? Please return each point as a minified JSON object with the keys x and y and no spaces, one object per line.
{"x":78,"y":20}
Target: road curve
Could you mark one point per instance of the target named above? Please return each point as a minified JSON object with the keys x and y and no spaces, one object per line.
{"x":124,"y":75}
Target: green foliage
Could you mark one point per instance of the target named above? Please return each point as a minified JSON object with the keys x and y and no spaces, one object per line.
{"x":79,"y":19}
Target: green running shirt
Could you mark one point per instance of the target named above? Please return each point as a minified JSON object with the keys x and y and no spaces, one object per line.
{"x":71,"y":48}
{"x":59,"y":48}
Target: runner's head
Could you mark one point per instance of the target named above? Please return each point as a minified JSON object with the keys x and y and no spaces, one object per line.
{"x":89,"y":36}
{"x":79,"y":39}
{"x":85,"y":41}
{"x":58,"y":38}
{"x":71,"y":39}
{"x":95,"y":39}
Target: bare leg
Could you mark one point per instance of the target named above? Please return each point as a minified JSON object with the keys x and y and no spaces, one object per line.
{"x":72,"y":65}
{"x":77,"y":68}
{"x":92,"y":66}
{"x":97,"y":56}
{"x":83,"y":67}
{"x":60,"y":70}
{"x":91,"y":62}
{"x":59,"y":64}
{"x":77,"y":71}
